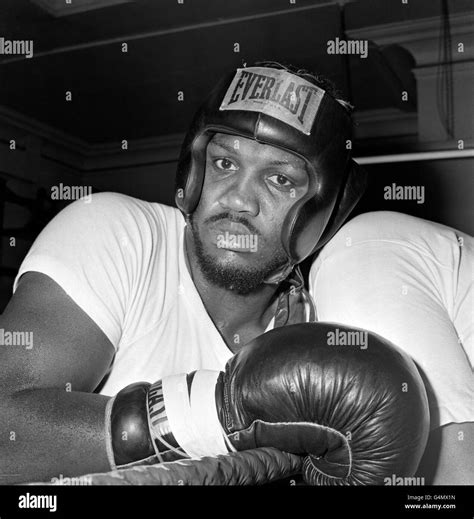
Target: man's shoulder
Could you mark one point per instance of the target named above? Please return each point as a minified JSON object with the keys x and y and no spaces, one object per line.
{"x":117,"y":209}
{"x":388,"y":235}
{"x":119,"y":201}
{"x":391,"y":226}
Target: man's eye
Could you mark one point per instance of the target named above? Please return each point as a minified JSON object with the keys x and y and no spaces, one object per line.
{"x":225,"y":164}
{"x":281,"y":181}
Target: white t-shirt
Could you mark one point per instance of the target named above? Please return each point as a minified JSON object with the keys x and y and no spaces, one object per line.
{"x":122,"y":261}
{"x":411,"y":281}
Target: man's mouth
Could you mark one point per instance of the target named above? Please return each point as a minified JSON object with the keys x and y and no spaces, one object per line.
{"x":232,"y":228}
{"x":234,"y":237}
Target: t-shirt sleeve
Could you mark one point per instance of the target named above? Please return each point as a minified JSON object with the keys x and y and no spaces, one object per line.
{"x":86,"y":250}
{"x":398,"y":276}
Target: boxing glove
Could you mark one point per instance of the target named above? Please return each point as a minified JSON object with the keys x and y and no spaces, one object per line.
{"x":355,"y":409}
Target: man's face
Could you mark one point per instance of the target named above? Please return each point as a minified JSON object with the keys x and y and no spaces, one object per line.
{"x":248,"y":190}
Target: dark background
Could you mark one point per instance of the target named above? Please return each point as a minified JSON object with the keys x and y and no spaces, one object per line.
{"x":173,"y":48}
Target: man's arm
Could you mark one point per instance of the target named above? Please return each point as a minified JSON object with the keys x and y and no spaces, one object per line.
{"x":449,"y":454}
{"x":393,"y":274}
{"x":51,"y":422}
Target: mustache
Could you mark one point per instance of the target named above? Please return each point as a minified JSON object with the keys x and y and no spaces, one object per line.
{"x":232,"y":218}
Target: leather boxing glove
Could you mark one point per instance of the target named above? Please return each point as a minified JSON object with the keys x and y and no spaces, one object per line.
{"x":358,"y":413}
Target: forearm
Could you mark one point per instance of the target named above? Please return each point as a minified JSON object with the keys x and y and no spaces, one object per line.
{"x":448,"y":456}
{"x":48,"y":432}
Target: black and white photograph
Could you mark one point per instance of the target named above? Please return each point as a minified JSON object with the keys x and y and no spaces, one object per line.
{"x":237,"y":251}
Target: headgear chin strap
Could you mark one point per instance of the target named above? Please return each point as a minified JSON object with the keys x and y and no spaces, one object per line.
{"x":279,"y":275}
{"x":295,"y":304}
{"x":278,"y":108}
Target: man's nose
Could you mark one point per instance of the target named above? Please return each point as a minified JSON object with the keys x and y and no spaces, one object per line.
{"x":241,"y":196}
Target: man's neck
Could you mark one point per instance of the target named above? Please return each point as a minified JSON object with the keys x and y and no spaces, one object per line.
{"x":233,"y":314}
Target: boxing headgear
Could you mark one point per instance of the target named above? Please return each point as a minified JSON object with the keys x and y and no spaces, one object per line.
{"x":276,"y":107}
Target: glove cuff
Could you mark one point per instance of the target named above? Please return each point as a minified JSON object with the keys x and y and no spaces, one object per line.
{"x":127,"y":426}
{"x":193,"y":415}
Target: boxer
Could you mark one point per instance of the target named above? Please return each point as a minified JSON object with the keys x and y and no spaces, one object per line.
{"x":121,"y":291}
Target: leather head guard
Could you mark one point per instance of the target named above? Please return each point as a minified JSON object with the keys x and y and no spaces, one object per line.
{"x":276,"y":107}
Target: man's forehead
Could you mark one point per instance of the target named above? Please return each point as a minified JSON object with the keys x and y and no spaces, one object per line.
{"x":242,"y":144}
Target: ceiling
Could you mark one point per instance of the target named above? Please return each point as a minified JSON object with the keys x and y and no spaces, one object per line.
{"x":182,"y":47}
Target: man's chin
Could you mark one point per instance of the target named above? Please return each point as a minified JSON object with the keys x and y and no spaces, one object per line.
{"x":241,"y":281}
{"x":240,"y":278}
{"x":229,"y":258}
{"x":237,"y":262}
{"x":239,"y":271}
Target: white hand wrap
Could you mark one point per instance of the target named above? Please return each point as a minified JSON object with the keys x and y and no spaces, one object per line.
{"x":194,"y":420}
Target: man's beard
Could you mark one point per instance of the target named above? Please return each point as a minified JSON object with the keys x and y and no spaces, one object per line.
{"x":242,"y":280}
